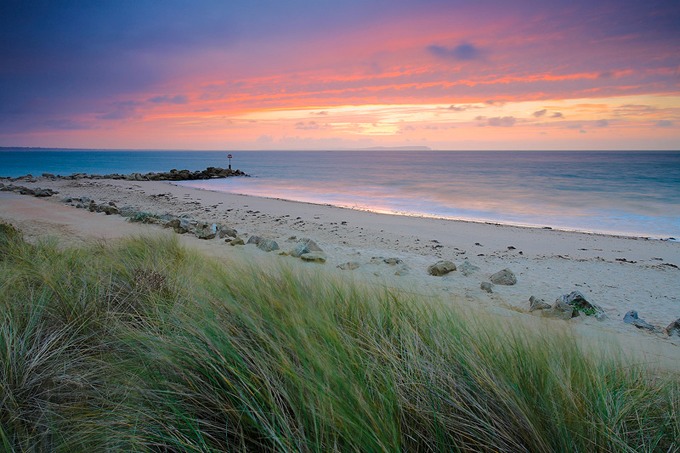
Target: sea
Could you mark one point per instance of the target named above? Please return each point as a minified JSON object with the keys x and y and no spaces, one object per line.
{"x":634,"y":193}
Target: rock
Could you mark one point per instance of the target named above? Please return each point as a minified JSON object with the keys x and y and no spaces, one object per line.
{"x":264,"y":244}
{"x":505,"y":277}
{"x":673,"y":328}
{"x":314,"y":257}
{"x":632,"y":318}
{"x":268,"y":245}
{"x":206,"y":231}
{"x":41,"y":193}
{"x":348,"y":266}
{"x":467,"y":269}
{"x":392,"y":261}
{"x":441,"y":268}
{"x":578,"y":302}
{"x":572,"y":305}
{"x":486,"y":286}
{"x":305,"y":245}
{"x":537,"y":304}
{"x":236,"y":241}
{"x":225,"y":231}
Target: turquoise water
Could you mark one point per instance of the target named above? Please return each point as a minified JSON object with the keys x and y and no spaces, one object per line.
{"x":636,"y":193}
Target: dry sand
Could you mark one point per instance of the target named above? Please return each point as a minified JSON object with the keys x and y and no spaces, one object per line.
{"x":617,"y":273}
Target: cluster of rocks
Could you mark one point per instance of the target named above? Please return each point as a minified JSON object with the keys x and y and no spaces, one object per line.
{"x":36,"y":192}
{"x":574,"y":304}
{"x":632,"y":318}
{"x":567,"y":306}
{"x":503,"y":277}
{"x":92,"y":206}
{"x":305,"y":249}
{"x":172,"y":175}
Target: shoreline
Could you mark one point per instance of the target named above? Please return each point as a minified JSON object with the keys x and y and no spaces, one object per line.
{"x":616,"y":273}
{"x":453,"y":219}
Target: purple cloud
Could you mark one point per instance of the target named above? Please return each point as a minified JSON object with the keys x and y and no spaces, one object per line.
{"x":462,"y":52}
{"x":540,"y":113}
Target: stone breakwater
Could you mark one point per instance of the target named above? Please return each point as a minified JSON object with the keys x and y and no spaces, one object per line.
{"x":172,"y":175}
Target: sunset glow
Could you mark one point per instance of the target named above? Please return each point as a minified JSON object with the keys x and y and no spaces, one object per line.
{"x":321,"y":75}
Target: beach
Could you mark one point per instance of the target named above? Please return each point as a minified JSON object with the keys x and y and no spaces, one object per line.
{"x":617,"y":274}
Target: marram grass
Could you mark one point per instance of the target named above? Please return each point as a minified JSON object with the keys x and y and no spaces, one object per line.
{"x":146,"y":346}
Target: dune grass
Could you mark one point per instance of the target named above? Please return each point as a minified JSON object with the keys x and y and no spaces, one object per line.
{"x":146,"y":346}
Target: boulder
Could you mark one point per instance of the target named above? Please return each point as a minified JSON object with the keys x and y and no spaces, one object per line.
{"x":41,"y":193}
{"x":632,"y":318}
{"x":225,"y":231}
{"x":580,"y":305}
{"x":264,"y":244}
{"x":673,"y":328}
{"x":441,"y":268}
{"x":505,"y":277}
{"x":305,"y":245}
{"x":206,"y":231}
{"x":486,"y":286}
{"x":392,"y":261}
{"x":268,"y":245}
{"x":314,"y":257}
{"x":537,"y":304}
{"x":236,"y":241}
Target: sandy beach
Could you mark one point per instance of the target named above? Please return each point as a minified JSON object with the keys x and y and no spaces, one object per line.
{"x":618,"y":274}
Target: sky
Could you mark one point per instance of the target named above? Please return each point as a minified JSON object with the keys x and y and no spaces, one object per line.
{"x":340,"y":74}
